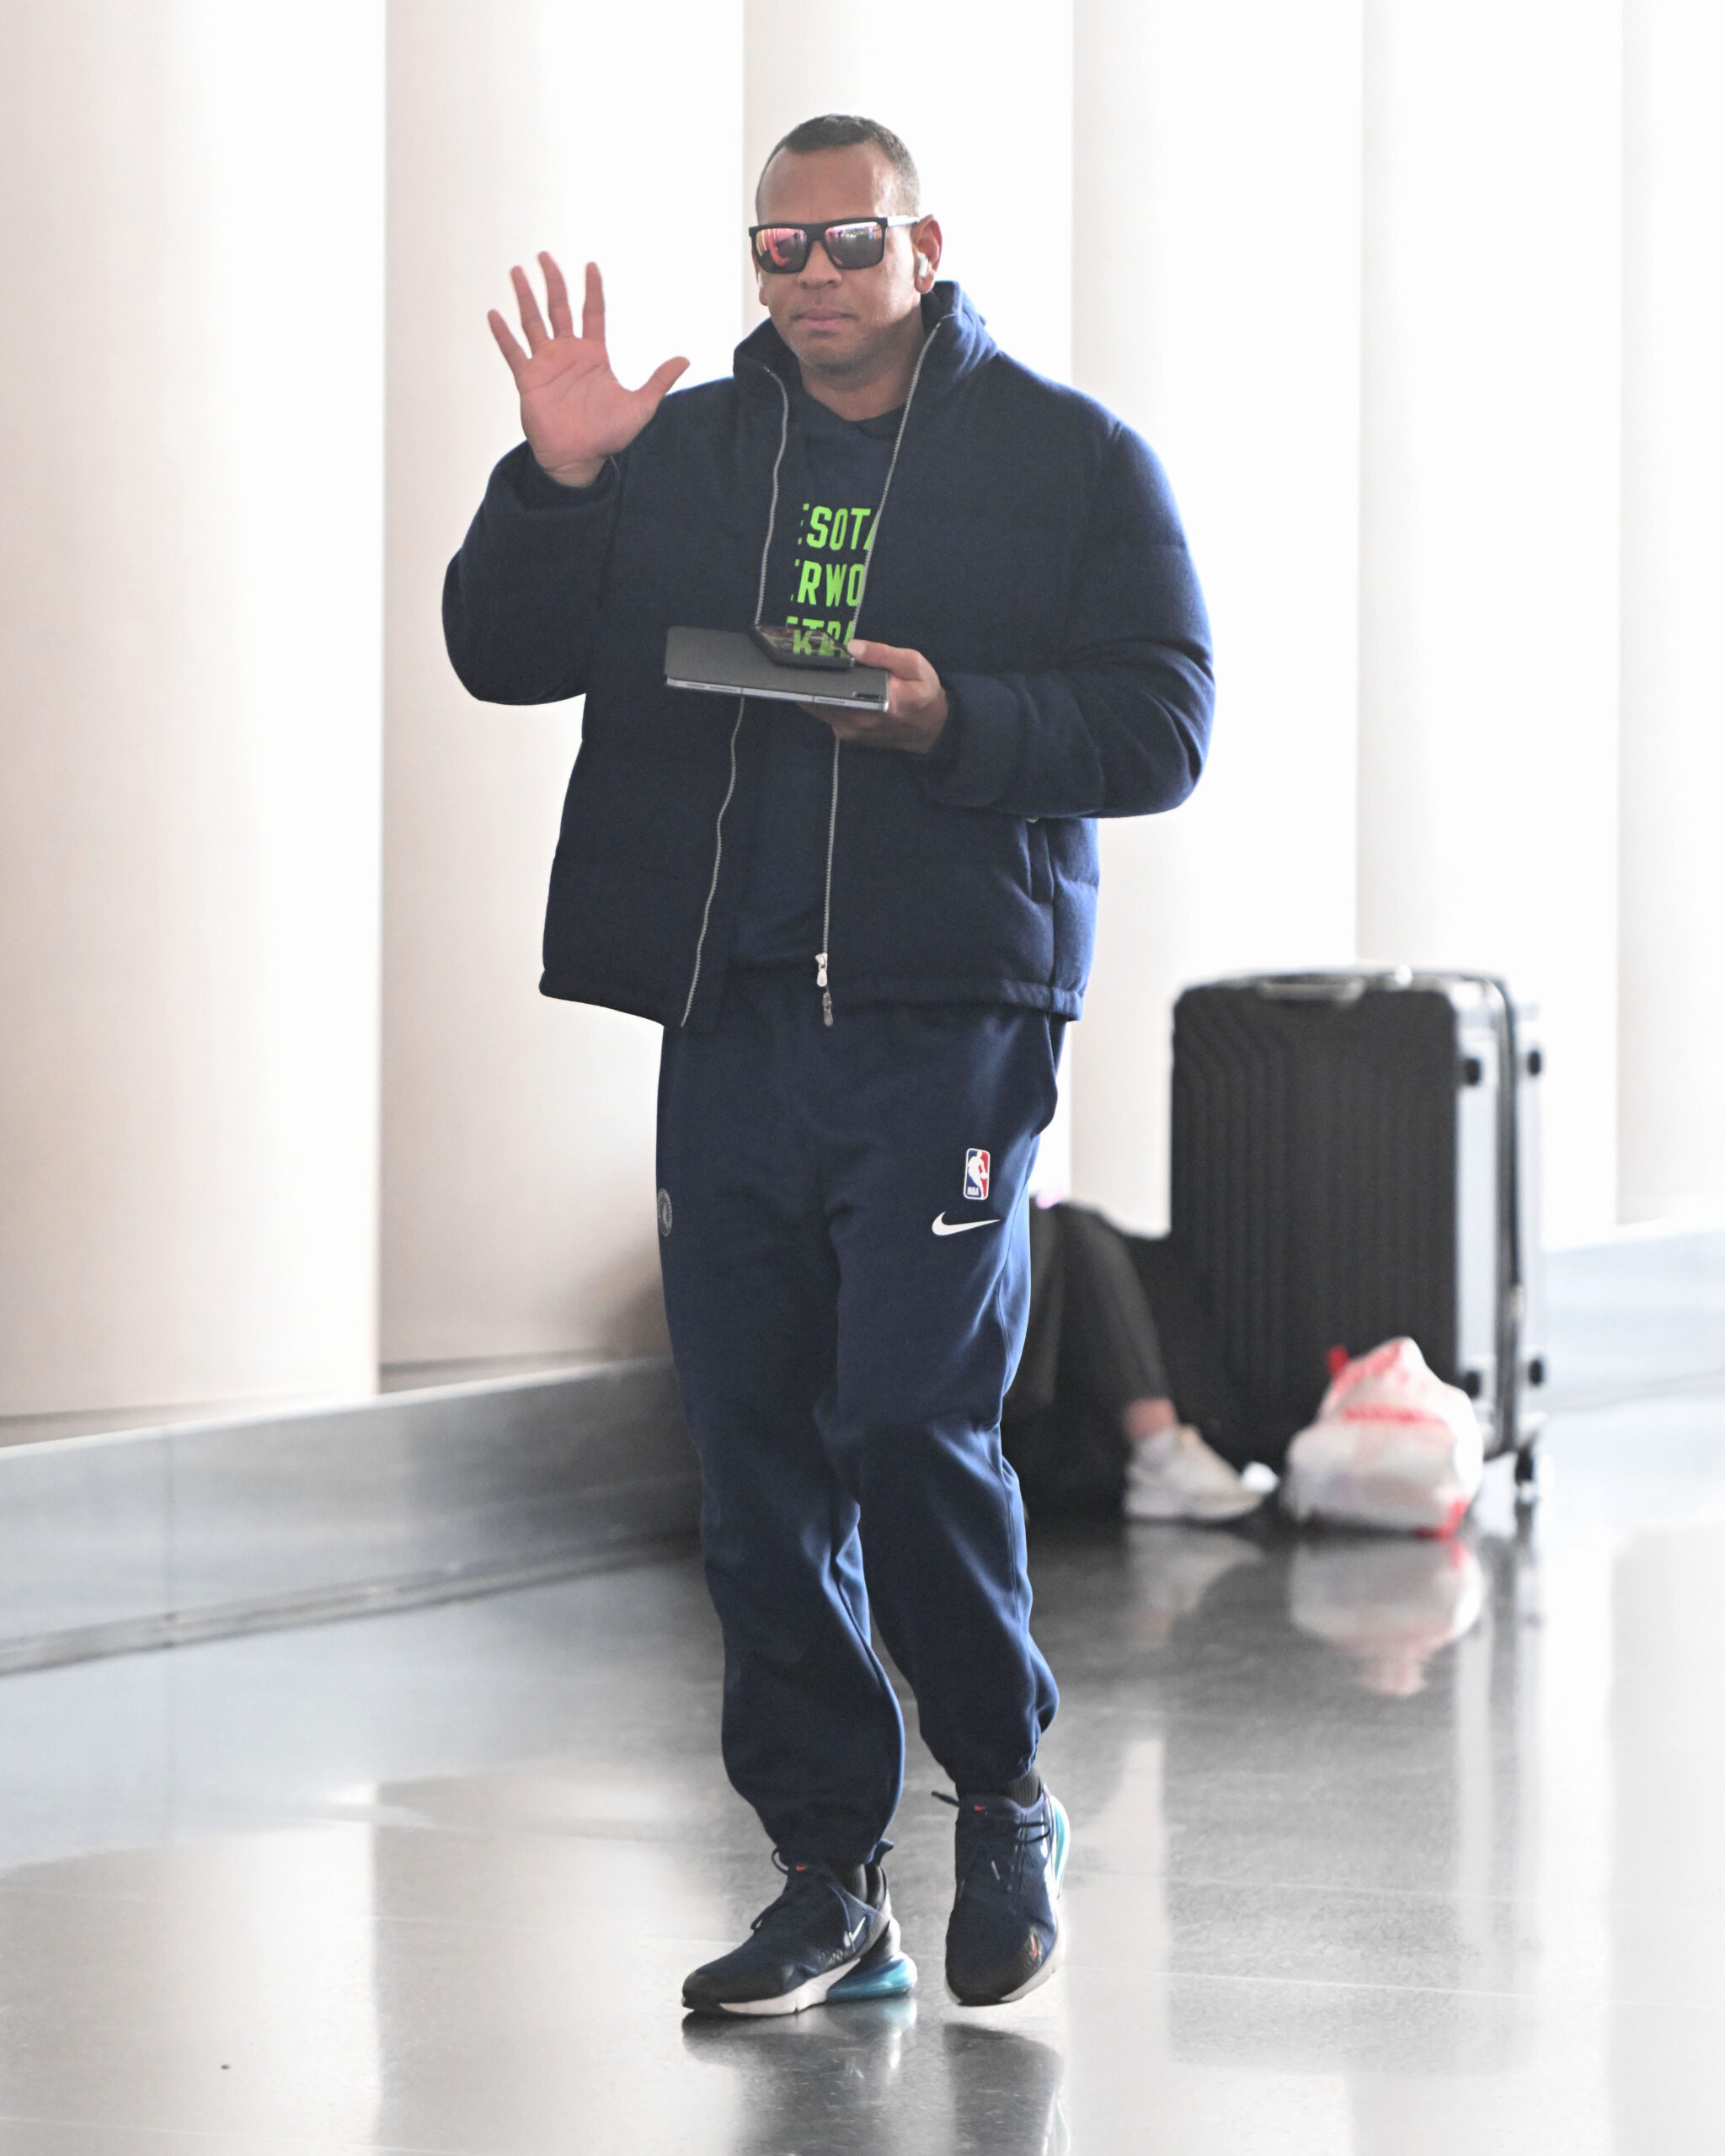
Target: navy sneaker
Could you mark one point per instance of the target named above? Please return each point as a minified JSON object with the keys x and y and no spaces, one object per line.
{"x":801,"y":1950}
{"x":1004,"y":1936}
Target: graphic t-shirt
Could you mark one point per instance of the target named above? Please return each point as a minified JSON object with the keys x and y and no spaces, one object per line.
{"x":829,"y":489}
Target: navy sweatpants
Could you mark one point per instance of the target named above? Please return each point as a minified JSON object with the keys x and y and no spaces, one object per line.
{"x":845,"y":1314}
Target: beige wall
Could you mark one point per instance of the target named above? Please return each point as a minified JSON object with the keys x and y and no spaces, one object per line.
{"x":191,"y":465}
{"x":518,"y":1132}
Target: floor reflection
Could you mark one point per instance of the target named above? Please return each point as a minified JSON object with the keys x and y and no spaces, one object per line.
{"x":1339,"y":1813}
{"x":1382,"y":1849}
{"x":1172,"y":1569}
{"x":1390,"y":1605}
{"x":869,"y":2078}
{"x":1668,"y":1851}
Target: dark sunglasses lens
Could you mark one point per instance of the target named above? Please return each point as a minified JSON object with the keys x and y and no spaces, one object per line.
{"x":781,"y":249}
{"x":855,"y":246}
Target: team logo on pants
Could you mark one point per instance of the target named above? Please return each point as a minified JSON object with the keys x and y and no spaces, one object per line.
{"x":977,"y":1174}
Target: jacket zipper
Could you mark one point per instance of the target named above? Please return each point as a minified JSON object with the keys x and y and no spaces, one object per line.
{"x":821,"y":966}
{"x":832,"y":825}
{"x":784,"y":435}
{"x":832,"y":814}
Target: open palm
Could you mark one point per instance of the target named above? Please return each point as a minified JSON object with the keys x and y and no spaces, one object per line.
{"x":574,"y":411}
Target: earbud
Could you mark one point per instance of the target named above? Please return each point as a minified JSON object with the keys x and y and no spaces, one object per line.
{"x":922,"y":265}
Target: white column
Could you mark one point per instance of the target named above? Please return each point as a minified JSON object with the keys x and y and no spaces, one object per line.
{"x":1488,"y":682}
{"x":191,"y":271}
{"x":1671,"y":1061}
{"x":518,"y":1132}
{"x":1215,"y":270}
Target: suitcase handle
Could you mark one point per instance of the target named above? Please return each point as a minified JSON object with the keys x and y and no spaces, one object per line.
{"x":1332,"y":988}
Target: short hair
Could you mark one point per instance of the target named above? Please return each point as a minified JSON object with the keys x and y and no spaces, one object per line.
{"x":843,"y":131}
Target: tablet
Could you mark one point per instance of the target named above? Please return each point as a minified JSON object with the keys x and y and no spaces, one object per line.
{"x":726,"y":662}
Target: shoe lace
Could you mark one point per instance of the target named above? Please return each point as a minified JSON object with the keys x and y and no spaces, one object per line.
{"x":996,"y":1832}
{"x":803,"y":1882}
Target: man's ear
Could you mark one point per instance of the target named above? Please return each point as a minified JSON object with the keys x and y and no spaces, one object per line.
{"x":927,"y":255}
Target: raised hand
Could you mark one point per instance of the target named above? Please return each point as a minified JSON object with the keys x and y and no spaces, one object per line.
{"x":574,"y":411}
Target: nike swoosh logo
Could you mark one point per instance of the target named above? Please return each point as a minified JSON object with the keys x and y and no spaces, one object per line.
{"x":943,"y":1226}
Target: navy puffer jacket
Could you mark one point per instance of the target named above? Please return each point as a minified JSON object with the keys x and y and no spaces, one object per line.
{"x":1028,"y":546}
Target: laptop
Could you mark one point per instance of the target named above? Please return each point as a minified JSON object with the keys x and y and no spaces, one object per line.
{"x":726,"y":662}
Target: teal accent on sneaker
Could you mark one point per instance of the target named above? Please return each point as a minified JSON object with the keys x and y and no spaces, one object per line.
{"x":1063,"y":1844}
{"x":880,"y":1974}
{"x":889,"y":1980}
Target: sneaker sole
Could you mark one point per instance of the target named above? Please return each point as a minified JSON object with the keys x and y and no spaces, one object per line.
{"x":893,"y":1979}
{"x":816,"y":1990}
{"x":1063,"y":1843}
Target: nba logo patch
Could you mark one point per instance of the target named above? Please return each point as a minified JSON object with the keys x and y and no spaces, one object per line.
{"x":977,"y":1174}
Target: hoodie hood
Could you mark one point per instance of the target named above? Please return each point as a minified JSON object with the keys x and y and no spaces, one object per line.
{"x":963,"y":345}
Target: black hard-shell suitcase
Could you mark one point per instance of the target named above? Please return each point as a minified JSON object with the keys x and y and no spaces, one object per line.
{"x":1355,"y":1155}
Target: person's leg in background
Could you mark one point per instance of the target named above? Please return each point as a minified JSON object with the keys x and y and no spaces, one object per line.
{"x":1110,"y":1336}
{"x":1111,"y":1349}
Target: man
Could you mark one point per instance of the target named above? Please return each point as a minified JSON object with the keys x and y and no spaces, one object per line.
{"x":863,"y":935}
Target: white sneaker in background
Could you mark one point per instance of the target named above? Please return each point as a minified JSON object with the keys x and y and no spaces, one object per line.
{"x":1175,"y":1476}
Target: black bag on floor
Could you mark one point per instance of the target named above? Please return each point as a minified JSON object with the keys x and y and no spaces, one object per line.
{"x":1355,"y":1156}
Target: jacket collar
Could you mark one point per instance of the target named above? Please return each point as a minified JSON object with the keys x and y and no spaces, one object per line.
{"x":962,"y":345}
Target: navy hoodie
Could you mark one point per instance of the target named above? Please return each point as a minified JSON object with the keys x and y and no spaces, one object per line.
{"x":1028,"y":546}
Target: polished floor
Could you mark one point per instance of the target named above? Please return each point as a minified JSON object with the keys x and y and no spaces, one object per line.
{"x":1384,"y":1849}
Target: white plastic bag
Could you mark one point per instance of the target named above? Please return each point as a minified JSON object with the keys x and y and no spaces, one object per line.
{"x":1392,"y":1447}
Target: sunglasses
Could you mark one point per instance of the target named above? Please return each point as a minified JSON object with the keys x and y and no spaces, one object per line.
{"x":858,"y":243}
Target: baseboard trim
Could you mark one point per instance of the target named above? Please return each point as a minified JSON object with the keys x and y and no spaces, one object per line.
{"x":319,"y":1606}
{"x":129,"y":1541}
